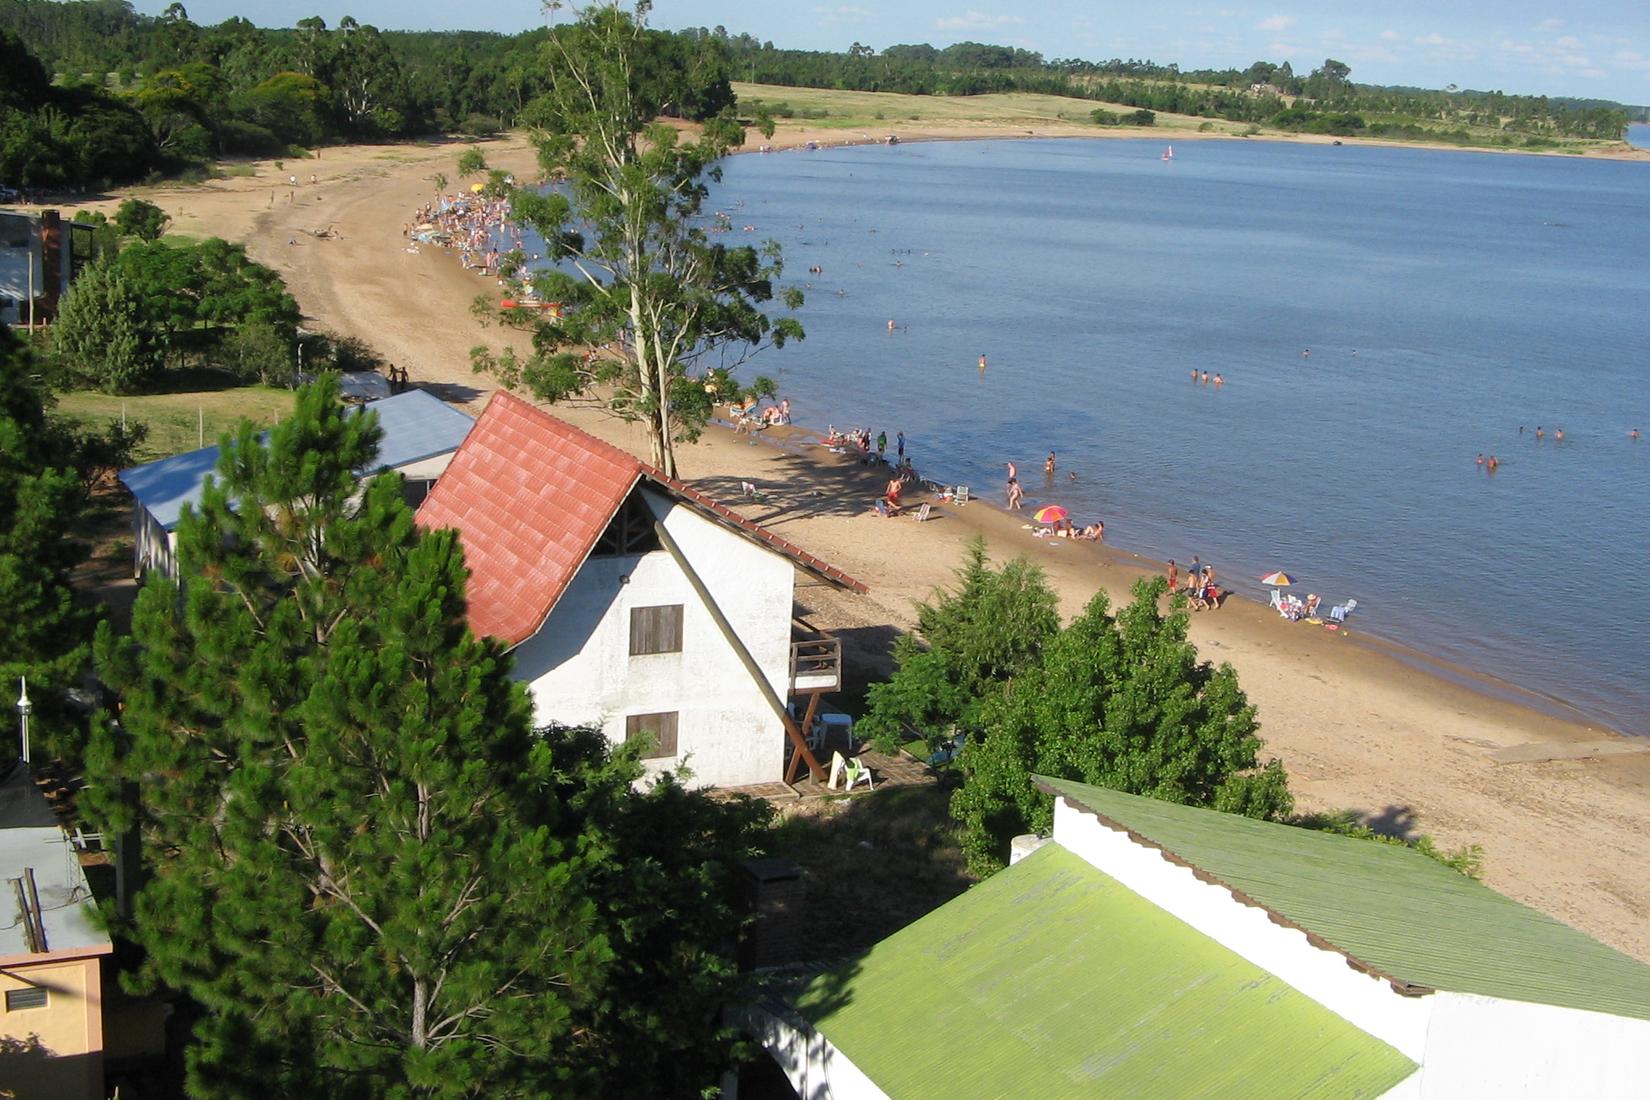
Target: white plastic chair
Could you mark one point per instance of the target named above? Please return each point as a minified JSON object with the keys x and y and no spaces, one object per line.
{"x":1340,"y":611}
{"x":858,"y":773}
{"x":962,"y":496}
{"x":1277,"y":600}
{"x":922,"y":513}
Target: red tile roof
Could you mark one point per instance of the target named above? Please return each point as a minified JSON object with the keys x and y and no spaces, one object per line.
{"x":530,"y":494}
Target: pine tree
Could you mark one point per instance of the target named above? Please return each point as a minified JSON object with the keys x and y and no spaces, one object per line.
{"x":370,"y":871}
{"x":1119,"y":701}
{"x":101,"y":335}
{"x":44,"y":634}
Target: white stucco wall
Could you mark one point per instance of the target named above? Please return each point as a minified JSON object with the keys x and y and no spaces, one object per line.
{"x":1488,"y":1047}
{"x":1368,"y":1003}
{"x":579,"y":669}
{"x":154,"y":548}
{"x":426,"y":468}
{"x":816,"y":1069}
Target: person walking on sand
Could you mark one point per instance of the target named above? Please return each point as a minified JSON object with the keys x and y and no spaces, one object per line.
{"x":1174,"y":574}
{"x":882,"y":445}
{"x":1015,"y":494}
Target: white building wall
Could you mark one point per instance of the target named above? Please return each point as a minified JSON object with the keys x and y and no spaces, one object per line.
{"x":1488,"y":1047}
{"x":19,"y":253}
{"x":1368,"y":1003}
{"x":579,"y":669}
{"x":816,"y":1069}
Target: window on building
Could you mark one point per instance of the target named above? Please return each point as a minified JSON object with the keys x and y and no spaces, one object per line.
{"x":656,"y":629}
{"x":659,"y":729}
{"x":34,"y":996}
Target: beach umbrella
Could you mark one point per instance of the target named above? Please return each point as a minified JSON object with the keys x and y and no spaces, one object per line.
{"x":1280,"y":578}
{"x":476,"y":188}
{"x":1049,"y":513}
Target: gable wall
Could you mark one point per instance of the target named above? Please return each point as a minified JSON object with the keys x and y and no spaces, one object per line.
{"x":1492,"y":1048}
{"x":579,"y":669}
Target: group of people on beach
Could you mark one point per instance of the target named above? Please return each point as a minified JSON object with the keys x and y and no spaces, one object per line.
{"x":473,"y":224}
{"x":1200,"y":589}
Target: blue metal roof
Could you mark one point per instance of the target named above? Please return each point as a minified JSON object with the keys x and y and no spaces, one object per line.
{"x":416,"y":426}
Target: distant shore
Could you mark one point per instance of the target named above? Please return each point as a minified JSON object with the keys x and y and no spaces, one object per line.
{"x":1561,"y":807}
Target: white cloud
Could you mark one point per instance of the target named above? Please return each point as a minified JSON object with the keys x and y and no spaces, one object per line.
{"x":1276,"y":23}
{"x":1433,"y":39}
{"x":844,"y":13}
{"x":976,"y":20}
{"x":1390,"y":36}
{"x":1568,"y":42}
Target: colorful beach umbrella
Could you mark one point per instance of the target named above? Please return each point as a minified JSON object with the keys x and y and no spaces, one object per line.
{"x":1280,"y":578}
{"x":1049,"y":513}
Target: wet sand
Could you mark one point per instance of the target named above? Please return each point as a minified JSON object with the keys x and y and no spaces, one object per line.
{"x":1561,"y":808}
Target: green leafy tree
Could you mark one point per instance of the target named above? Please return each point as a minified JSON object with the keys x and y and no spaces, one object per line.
{"x":141,"y":219}
{"x":1119,"y":701}
{"x":261,"y":352}
{"x":471,"y":162}
{"x":102,"y":337}
{"x":638,"y":275}
{"x":372,"y":874}
{"x":974,"y":641}
{"x":44,"y":634}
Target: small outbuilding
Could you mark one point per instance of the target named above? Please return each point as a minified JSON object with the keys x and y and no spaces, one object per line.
{"x":51,"y":954}
{"x":1152,"y":949}
{"x":421,"y":432}
{"x":634,"y":602}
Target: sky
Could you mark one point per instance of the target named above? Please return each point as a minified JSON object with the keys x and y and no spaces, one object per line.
{"x":1596,"y":48}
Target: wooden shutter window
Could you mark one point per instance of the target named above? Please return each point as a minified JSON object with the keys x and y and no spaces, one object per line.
{"x":32,"y":997}
{"x":656,"y":629}
{"x":660,"y":728}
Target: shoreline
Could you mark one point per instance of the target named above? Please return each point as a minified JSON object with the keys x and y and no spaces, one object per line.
{"x":1479,"y":681}
{"x":1561,"y":808}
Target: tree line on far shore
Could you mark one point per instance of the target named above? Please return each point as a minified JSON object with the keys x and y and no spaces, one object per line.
{"x":98,"y":94}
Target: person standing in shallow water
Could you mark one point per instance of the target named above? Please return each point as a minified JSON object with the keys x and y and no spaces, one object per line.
{"x":899,"y":444}
{"x":1048,"y":465}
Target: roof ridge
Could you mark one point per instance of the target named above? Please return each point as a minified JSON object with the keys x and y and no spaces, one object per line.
{"x":1321,"y":942}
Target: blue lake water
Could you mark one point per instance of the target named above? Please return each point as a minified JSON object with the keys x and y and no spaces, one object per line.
{"x":1447,"y":298}
{"x":1639,"y":134}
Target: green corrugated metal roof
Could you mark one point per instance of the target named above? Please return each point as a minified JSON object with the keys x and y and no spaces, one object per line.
{"x":1401,"y":913}
{"x":1053,"y":979}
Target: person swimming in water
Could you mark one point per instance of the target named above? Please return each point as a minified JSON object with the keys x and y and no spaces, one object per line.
{"x":1539,"y":434}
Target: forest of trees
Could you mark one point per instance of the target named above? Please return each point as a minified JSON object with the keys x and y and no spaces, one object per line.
{"x":109,"y":95}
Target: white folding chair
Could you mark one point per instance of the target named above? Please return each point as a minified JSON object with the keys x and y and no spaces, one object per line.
{"x":961,"y":496}
{"x":922,"y":513}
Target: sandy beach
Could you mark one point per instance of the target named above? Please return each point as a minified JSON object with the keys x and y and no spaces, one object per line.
{"x":1561,"y":808}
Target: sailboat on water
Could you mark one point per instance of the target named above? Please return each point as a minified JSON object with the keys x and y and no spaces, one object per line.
{"x":1168,"y":154}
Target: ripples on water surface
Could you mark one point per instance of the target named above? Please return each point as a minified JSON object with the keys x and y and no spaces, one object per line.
{"x":1480,"y":293}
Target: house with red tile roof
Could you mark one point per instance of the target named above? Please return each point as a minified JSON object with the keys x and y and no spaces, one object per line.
{"x":634,"y":602}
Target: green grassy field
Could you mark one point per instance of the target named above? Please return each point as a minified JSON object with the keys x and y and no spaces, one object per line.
{"x":880,"y":113}
{"x":877,"y":114}
{"x":181,"y":422}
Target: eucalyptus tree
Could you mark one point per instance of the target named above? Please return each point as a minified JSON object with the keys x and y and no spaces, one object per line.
{"x":656,"y":310}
